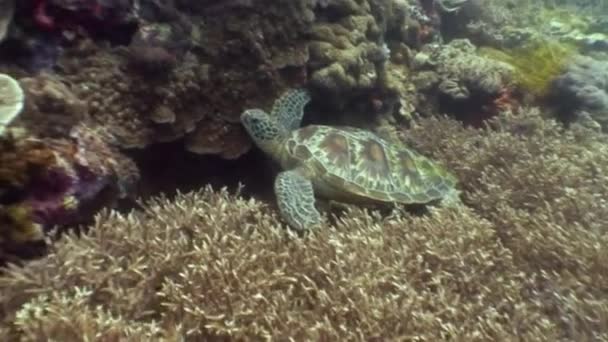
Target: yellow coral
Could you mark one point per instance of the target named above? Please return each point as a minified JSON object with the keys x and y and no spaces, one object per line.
{"x":536,"y":64}
{"x":21,"y":228}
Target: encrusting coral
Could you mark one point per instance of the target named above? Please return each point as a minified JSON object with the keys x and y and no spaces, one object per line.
{"x":526,"y":260}
{"x":57,"y":182}
{"x":51,"y":107}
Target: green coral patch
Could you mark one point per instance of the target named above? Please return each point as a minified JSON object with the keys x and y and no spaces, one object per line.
{"x":536,"y":64}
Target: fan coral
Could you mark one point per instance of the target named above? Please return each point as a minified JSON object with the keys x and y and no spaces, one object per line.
{"x":526,"y":260}
{"x":11,"y":100}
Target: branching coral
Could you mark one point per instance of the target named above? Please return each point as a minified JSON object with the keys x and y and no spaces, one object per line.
{"x":526,"y":259}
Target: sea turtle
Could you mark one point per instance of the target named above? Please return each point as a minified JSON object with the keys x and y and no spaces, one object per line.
{"x":344,"y":164}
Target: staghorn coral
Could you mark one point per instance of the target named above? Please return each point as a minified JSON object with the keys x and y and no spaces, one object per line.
{"x":525,"y":261}
{"x":359,"y":280}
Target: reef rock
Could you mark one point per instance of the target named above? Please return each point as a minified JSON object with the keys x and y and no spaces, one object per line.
{"x":581,"y":92}
{"x":52,"y":182}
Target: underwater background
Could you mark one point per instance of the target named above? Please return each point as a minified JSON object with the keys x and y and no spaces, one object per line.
{"x":137,"y":203}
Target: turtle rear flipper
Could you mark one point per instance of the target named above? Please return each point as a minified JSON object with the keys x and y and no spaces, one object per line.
{"x":289,"y":108}
{"x":296,"y":200}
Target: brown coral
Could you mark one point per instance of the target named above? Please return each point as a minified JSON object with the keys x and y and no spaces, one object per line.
{"x":229,"y":141}
{"x":51,"y":107}
{"x":20,"y":159}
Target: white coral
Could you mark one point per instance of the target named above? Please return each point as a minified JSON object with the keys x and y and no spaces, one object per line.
{"x":11,"y":100}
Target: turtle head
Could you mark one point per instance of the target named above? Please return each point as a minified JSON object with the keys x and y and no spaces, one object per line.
{"x":265,"y":131}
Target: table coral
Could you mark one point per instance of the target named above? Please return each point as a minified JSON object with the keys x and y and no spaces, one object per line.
{"x":11,"y":100}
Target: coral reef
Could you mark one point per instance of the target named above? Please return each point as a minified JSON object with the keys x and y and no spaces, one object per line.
{"x":526,"y":260}
{"x":459,"y":74}
{"x":523,"y":259}
{"x":491,"y":22}
{"x":51,"y":107}
{"x":582,"y":91}
{"x":535,"y":64}
{"x":164,"y":72}
{"x":50,"y":182}
{"x":97,"y":17}
{"x":346,"y":52}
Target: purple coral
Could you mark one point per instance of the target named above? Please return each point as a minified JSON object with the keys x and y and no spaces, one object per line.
{"x":57,"y":197}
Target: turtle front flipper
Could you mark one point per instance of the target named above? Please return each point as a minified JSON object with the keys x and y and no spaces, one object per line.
{"x":289,"y":108}
{"x":296,"y":200}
